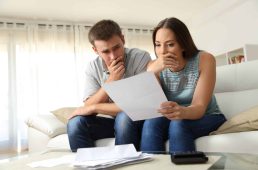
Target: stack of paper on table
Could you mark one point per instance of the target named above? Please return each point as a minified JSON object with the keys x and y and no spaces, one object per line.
{"x":106,"y":157}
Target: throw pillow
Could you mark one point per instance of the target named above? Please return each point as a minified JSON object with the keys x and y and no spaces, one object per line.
{"x":63,"y":113}
{"x":244,"y":121}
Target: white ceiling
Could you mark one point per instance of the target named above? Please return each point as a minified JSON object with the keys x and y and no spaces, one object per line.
{"x":145,"y":13}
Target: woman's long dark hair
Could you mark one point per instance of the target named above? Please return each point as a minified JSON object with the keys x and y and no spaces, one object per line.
{"x":182,"y":34}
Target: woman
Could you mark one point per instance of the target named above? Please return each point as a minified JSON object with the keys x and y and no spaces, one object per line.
{"x":187,"y":76}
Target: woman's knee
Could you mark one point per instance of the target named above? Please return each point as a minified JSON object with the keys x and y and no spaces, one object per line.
{"x":122,"y":116}
{"x":122,"y":120}
{"x":155,"y":126}
{"x":178,"y":123}
{"x":178,"y":127}
{"x":124,"y":125}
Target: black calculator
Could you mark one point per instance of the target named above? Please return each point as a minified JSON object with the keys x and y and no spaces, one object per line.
{"x":191,"y":157}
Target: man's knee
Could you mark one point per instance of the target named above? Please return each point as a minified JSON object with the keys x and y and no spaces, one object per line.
{"x":78,"y":133}
{"x":75,"y":125}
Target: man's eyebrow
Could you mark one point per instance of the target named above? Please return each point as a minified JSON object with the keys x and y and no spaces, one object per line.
{"x":105,"y":51}
{"x":115,"y":46}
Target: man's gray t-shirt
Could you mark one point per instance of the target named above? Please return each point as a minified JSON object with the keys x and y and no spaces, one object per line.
{"x":136,"y":61}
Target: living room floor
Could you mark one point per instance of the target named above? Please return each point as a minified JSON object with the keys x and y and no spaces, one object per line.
{"x":11,"y":155}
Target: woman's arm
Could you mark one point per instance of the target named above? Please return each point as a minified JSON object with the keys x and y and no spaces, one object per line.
{"x":204,"y":88}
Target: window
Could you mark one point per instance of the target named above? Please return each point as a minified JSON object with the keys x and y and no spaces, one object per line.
{"x":4,"y":130}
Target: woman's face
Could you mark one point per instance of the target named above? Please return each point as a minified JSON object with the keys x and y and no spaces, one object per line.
{"x":166,"y":44}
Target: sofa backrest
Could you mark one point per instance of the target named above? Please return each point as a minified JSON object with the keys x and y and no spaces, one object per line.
{"x":236,"y":87}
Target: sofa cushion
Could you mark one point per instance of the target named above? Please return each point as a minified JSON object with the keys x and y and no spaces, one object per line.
{"x":63,"y":113}
{"x":244,"y":121}
{"x":61,"y":142}
{"x":47,"y":124}
{"x":241,"y":142}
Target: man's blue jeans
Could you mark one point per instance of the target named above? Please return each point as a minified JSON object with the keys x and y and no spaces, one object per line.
{"x":127,"y":131}
{"x":84,"y":130}
{"x":181,"y":133}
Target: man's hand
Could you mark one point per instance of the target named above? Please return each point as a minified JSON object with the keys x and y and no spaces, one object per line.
{"x":162,"y":62}
{"x":83,"y":111}
{"x":116,"y":69}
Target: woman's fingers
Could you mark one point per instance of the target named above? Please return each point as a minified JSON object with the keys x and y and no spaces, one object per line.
{"x":168,"y":104}
{"x":170,"y":110}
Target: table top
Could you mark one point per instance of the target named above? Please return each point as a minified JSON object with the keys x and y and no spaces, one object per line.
{"x":235,"y":161}
{"x":160,"y":161}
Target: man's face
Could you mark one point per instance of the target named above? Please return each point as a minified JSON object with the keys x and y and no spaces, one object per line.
{"x":111,"y":49}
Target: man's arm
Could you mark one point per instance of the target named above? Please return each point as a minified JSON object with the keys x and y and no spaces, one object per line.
{"x":99,"y":97}
{"x":107,"y":108}
{"x":103,"y":108}
{"x":99,"y":103}
{"x":116,"y":72}
{"x":96,"y":95}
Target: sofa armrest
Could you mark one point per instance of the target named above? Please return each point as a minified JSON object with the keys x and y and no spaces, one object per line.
{"x":47,"y":124}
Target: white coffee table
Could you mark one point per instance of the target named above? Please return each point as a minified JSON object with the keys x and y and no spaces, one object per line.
{"x":158,"y":163}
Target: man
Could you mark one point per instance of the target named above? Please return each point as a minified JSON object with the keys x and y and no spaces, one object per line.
{"x":114,"y":62}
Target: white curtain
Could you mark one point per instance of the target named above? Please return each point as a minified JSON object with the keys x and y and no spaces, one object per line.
{"x":42,"y":69}
{"x":139,"y":38}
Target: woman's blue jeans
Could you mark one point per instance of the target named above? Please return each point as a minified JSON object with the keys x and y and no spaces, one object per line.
{"x":84,"y":130}
{"x":181,"y":133}
{"x":127,"y":131}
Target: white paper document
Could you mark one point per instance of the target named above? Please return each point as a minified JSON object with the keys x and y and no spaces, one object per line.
{"x":105,"y":153}
{"x":97,"y":158}
{"x":139,"y":96}
{"x":110,"y":156}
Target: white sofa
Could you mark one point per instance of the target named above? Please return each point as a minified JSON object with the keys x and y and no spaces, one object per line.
{"x":236,"y":90}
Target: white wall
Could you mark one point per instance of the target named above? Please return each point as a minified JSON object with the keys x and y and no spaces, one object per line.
{"x":227,"y":25}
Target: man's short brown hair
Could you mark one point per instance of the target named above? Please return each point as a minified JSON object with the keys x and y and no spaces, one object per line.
{"x":104,"y":30}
